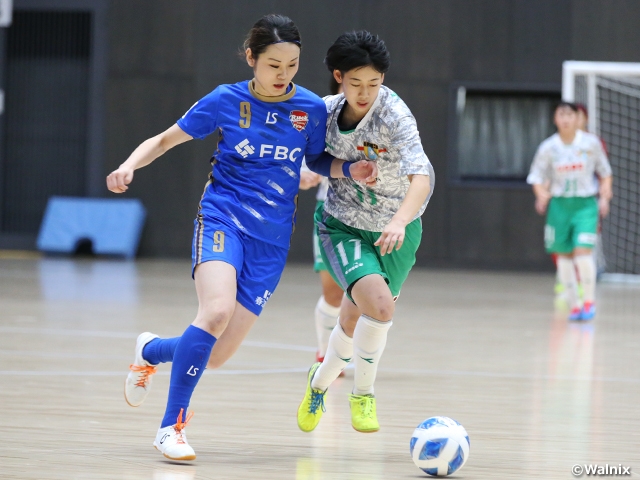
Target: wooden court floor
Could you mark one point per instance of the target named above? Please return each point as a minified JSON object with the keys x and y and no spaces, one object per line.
{"x":536,"y":393}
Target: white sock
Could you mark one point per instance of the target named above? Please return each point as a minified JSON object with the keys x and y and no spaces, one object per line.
{"x":567,"y":276}
{"x":369,"y":340}
{"x":339,"y":353}
{"x":326,"y":318}
{"x":587,"y":271}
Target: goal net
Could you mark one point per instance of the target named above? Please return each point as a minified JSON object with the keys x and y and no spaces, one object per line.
{"x":611,"y":93}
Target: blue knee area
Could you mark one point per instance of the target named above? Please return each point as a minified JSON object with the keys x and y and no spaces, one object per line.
{"x":160,"y":350}
{"x":189,"y":361}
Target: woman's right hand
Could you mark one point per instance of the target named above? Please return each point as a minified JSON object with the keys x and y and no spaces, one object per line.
{"x":541,"y":204}
{"x":309,"y":179}
{"x":118,"y":180}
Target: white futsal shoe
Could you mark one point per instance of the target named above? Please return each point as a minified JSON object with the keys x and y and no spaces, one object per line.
{"x":171,"y":441}
{"x":138,"y":382}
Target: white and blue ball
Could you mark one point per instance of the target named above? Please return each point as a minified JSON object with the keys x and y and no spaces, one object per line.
{"x":439,"y":446}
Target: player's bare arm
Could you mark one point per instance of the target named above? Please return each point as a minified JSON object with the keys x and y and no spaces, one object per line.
{"x":543,"y":195}
{"x":142,"y":156}
{"x":605,"y":195}
{"x":393,"y":233}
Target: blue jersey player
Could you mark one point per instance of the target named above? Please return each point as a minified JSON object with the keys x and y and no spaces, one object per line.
{"x":245,"y":218}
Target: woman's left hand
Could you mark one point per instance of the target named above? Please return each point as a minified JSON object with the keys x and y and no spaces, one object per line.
{"x":309,"y":180}
{"x":392,"y":236}
{"x":364,"y":171}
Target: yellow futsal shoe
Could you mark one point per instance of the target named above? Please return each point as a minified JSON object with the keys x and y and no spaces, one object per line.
{"x":363,"y":413}
{"x":312,"y":407}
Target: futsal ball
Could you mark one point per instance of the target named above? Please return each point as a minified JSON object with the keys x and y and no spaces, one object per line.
{"x":439,"y":446}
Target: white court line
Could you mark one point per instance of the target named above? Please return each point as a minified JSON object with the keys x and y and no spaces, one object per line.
{"x":281,"y":346}
{"x":107,"y":334}
{"x":24,"y":353}
{"x":269,"y":371}
{"x":68,"y":333}
{"x":93,"y":373}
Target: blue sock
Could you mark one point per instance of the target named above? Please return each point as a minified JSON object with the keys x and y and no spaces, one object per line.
{"x":190,"y":360}
{"x":160,"y":350}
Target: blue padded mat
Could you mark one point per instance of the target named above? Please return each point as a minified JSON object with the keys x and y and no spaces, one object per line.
{"x":113,"y":226}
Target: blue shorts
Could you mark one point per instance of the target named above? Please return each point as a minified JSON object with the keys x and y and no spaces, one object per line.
{"x":258,"y":264}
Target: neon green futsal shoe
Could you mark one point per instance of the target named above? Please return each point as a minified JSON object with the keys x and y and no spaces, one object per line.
{"x":363,"y":413}
{"x":312,"y":407}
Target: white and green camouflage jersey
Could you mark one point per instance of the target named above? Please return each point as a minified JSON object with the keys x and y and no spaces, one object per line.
{"x":388,"y":134}
{"x":570,"y":168}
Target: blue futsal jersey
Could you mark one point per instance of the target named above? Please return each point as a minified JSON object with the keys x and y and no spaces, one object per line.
{"x":256,"y":169}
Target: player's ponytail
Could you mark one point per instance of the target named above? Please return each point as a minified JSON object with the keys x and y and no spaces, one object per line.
{"x":268,"y":30}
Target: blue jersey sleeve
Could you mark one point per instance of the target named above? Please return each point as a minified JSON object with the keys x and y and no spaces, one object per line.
{"x":202,"y":119}
{"x":317,"y":141}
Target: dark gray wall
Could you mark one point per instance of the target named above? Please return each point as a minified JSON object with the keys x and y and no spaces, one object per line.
{"x":164,"y":55}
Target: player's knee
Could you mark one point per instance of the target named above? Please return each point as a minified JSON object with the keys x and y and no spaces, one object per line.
{"x":348,"y":324}
{"x":333,"y":295}
{"x":383,"y":310}
{"x":214,"y":318}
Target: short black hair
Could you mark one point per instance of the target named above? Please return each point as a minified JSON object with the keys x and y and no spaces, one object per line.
{"x":357,"y":49}
{"x":271,"y":29}
{"x":564,"y":103}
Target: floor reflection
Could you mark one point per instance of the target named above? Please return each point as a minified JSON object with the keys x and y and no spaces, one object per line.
{"x":64,"y":279}
{"x":185,"y":473}
{"x":563,"y":397}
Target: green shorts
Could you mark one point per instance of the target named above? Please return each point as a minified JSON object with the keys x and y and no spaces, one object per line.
{"x":349,"y":253}
{"x":318,"y":263}
{"x":571,"y":222}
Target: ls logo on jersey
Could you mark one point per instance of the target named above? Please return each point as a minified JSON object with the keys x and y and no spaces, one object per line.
{"x":371,"y":150}
{"x":299,"y":119}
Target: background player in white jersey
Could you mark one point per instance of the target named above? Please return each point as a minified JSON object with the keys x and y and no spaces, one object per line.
{"x":583,"y":124}
{"x":369,"y":232}
{"x":562,"y":175}
{"x":328,"y":305}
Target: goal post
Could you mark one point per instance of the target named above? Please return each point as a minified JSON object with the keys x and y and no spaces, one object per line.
{"x":611,"y":93}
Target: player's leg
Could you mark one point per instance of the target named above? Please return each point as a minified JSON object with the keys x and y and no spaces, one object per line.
{"x":585,"y":226}
{"x":558,"y":240}
{"x":369,"y":334}
{"x":567,"y":275}
{"x":213,"y":241}
{"x":326,"y":312}
{"x":259,"y":278}
{"x":375,"y":295}
{"x":340,"y":347}
{"x":216,"y":289}
{"x":228,"y":343}
{"x":330,"y":232}
{"x":218,"y":258}
{"x":328,"y":306}
{"x":160,"y":350}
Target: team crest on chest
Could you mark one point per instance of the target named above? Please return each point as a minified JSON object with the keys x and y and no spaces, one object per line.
{"x":371,"y":150}
{"x":299,"y":119}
